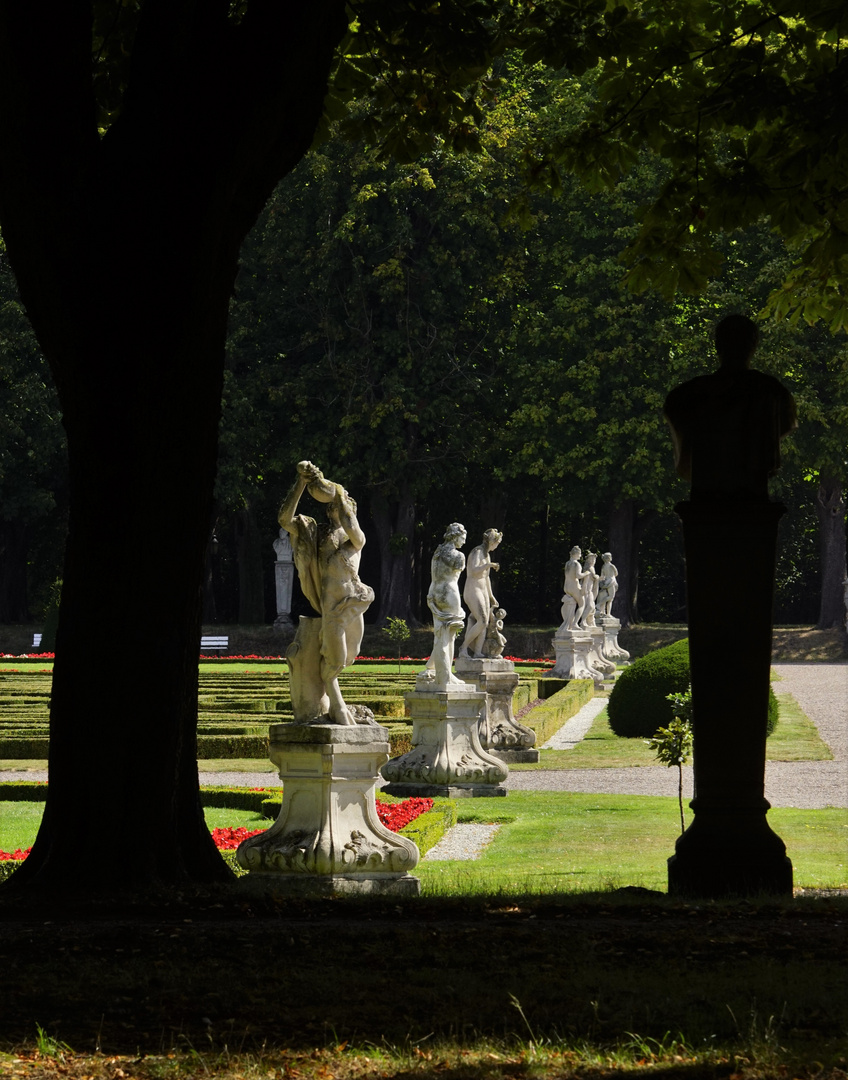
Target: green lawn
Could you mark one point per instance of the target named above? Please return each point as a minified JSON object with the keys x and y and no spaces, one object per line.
{"x":553,"y":842}
{"x":796,"y":738}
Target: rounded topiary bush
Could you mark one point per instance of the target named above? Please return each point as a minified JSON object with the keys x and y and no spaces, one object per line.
{"x":638,"y":704}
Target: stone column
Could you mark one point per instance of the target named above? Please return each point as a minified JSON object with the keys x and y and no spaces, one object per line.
{"x":283,"y":581}
{"x":447,"y":758}
{"x":501,"y":735}
{"x":328,"y":840}
{"x":729,"y":849}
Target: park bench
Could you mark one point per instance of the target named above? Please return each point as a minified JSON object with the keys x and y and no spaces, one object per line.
{"x":211,"y":643}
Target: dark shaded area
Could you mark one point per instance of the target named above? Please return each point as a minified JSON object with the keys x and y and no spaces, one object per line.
{"x":219,"y":969}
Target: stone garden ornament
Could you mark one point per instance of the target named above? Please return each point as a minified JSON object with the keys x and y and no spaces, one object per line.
{"x":726,"y":429}
{"x":447,"y":564}
{"x":327,"y":558}
{"x":479,"y":597}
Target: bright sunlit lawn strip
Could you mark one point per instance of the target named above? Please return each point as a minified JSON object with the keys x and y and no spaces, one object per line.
{"x":553,"y":842}
{"x":796,"y":738}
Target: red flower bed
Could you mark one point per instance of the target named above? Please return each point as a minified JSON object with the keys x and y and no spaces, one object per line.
{"x":16,"y":855}
{"x":393,"y":815}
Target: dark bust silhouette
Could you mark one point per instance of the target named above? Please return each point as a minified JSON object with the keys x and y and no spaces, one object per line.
{"x":727,"y":426}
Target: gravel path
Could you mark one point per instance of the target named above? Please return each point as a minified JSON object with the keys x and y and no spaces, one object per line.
{"x":820,"y":689}
{"x":822,"y":692}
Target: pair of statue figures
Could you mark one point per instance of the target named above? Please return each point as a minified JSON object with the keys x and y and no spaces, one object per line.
{"x":483,"y":637}
{"x":587,"y":592}
{"x":327,"y":559}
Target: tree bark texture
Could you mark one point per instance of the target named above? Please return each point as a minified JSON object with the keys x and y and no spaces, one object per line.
{"x":125,"y":248}
{"x":830,"y":508}
{"x":14,"y":600}
{"x":394,"y":522}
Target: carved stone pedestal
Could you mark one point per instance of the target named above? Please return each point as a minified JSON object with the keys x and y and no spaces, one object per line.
{"x":611,"y":650}
{"x":729,"y":849}
{"x":447,"y":758}
{"x":571,"y":648}
{"x":597,"y":660}
{"x":500,"y":733}
{"x":328,"y":839}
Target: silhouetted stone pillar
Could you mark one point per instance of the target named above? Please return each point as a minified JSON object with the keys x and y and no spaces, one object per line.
{"x":729,"y":849}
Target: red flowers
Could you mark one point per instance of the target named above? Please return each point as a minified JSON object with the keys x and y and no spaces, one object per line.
{"x":393,"y":815}
{"x":17,"y":855}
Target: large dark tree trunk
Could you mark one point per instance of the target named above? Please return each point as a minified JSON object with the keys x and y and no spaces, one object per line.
{"x":394,"y":522}
{"x":830,"y":507}
{"x":626,"y":525}
{"x":249,"y":553}
{"x":125,"y":250}
{"x":14,"y":603}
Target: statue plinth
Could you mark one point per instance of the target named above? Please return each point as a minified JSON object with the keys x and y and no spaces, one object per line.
{"x":611,"y":650}
{"x":328,"y":839}
{"x":447,"y":758}
{"x":729,"y":849}
{"x":597,"y":660}
{"x":500,"y":733}
{"x":571,"y":649}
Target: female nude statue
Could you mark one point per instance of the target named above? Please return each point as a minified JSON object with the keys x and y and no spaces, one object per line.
{"x":327,"y":560}
{"x":443,"y":600}
{"x":607,"y":586}
{"x":478,"y":593}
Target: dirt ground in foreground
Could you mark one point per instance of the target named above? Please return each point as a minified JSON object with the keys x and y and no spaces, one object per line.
{"x":224,"y":970}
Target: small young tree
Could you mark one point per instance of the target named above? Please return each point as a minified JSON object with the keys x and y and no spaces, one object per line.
{"x":398,"y":632}
{"x":673,"y":744}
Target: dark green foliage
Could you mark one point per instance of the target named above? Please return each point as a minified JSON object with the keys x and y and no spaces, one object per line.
{"x":638,"y":704}
{"x":238,"y":798}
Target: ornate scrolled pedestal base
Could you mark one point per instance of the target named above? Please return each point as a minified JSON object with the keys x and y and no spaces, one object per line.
{"x":500,"y":733}
{"x":597,"y":660}
{"x":611,"y":650}
{"x":571,"y":648}
{"x":447,"y":758}
{"x":328,"y":839}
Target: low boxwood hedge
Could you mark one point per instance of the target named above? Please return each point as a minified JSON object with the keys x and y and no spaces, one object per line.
{"x":547,"y":718}
{"x":639,"y":704}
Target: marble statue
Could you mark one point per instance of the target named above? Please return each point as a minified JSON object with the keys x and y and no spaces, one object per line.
{"x":573,"y":600}
{"x":327,"y":558}
{"x":590,"y":591}
{"x":607,"y":585}
{"x":283,"y":580}
{"x":447,"y":564}
{"x":478,"y":594}
{"x":726,"y":427}
{"x":493,"y":646}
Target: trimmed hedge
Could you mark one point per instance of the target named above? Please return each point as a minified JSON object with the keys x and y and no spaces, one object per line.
{"x":546,"y":719}
{"x":638,"y":704}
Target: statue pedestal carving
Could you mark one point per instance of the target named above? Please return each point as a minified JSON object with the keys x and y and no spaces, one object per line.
{"x":328,"y":840}
{"x":611,"y":650}
{"x":729,"y":849}
{"x":500,"y":733}
{"x":447,"y":758}
{"x":597,"y":660}
{"x":571,"y":648}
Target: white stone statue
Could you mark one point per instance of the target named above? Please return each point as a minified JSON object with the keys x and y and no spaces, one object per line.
{"x":327,"y":559}
{"x":573,"y":600}
{"x":493,"y":646}
{"x":607,"y":585}
{"x":589,"y":590}
{"x":443,"y":600}
{"x":478,"y":594}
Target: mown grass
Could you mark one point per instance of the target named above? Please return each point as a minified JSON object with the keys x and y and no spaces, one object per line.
{"x":796,"y":738}
{"x":555,"y":842}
